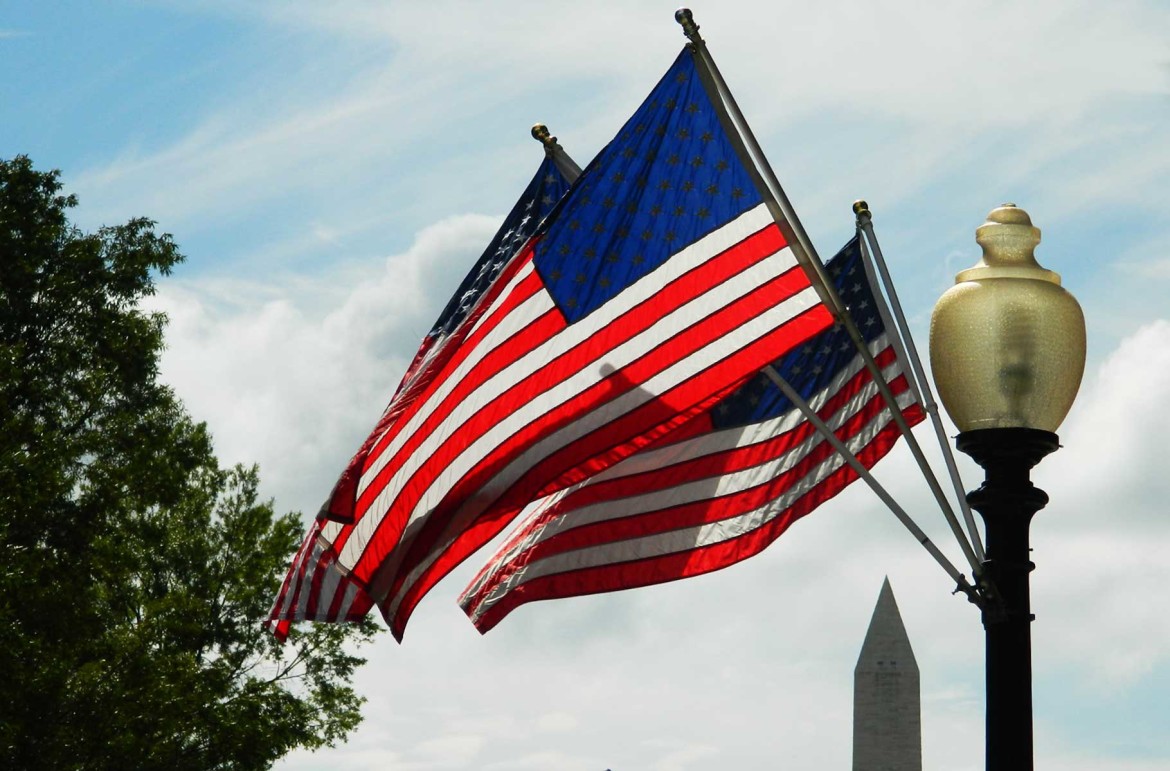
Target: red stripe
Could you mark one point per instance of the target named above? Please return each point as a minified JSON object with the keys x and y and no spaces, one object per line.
{"x":299,"y":578}
{"x":454,"y":348}
{"x":659,"y":569}
{"x":536,"y":334}
{"x":680,"y":291}
{"x":281,"y":629}
{"x":692,"y":428}
{"x":326,"y":564}
{"x":357,"y":609}
{"x":309,"y":580}
{"x":607,"y":444}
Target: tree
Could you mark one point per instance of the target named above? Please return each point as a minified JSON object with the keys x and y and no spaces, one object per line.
{"x":135,"y":573}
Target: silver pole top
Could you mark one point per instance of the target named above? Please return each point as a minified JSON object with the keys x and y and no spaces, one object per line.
{"x":687,"y":19}
{"x":861,"y":211}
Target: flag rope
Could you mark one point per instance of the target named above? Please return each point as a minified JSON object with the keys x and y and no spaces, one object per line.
{"x":871,"y":253}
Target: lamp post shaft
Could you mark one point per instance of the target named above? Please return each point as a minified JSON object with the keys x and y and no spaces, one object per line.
{"x":1007,"y":500}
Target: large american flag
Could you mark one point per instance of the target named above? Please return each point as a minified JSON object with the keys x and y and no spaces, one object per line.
{"x":657,"y":285}
{"x":719,"y":490}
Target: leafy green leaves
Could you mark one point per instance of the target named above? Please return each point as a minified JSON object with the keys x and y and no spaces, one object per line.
{"x":135,"y":573}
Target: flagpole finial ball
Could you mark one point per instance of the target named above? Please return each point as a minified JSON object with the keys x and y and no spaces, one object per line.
{"x":861,"y":208}
{"x":687,"y":19}
{"x":540,"y":134}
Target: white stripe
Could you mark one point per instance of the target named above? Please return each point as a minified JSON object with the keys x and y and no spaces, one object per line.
{"x":724,"y":484}
{"x":571,"y":336}
{"x":325,"y":597}
{"x":687,"y":539}
{"x":312,"y":568}
{"x":351,"y":591}
{"x":682,"y":370}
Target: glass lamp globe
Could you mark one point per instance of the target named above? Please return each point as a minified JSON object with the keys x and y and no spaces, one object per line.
{"x":1007,"y":342}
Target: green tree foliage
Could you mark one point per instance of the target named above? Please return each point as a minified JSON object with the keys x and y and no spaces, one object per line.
{"x":135,"y":573}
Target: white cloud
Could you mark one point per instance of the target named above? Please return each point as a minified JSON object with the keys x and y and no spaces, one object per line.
{"x":293,"y":376}
{"x":1115,"y":428}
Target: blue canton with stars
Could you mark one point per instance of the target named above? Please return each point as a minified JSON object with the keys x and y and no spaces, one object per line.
{"x":668,"y":178}
{"x":537,"y":201}
{"x":810,"y":368}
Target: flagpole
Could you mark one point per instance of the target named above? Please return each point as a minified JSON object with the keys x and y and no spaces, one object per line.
{"x":741,"y":134}
{"x":811,"y":415}
{"x":900,"y":339}
{"x":806,"y":254}
{"x":922,"y":387}
{"x":566,"y":165}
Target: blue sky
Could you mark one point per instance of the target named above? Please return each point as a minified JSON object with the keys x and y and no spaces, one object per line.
{"x":330,"y":169}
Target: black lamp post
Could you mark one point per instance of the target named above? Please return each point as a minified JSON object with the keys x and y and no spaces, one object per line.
{"x":1007,"y":348}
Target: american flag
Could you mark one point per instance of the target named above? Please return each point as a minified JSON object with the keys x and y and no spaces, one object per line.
{"x":657,"y":285}
{"x":739,"y":477}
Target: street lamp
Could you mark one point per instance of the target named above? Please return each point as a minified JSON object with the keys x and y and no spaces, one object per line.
{"x":1007,"y":349}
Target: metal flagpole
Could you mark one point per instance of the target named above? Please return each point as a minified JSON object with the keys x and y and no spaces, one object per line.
{"x":904,"y":346}
{"x":786,"y":218}
{"x":741,"y":134}
{"x":808,"y":412}
{"x":553,"y":150}
{"x":910,"y":352}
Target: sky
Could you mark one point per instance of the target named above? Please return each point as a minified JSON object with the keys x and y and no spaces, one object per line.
{"x":332,"y":169}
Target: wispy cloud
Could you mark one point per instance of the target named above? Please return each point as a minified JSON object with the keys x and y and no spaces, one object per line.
{"x":425,"y":119}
